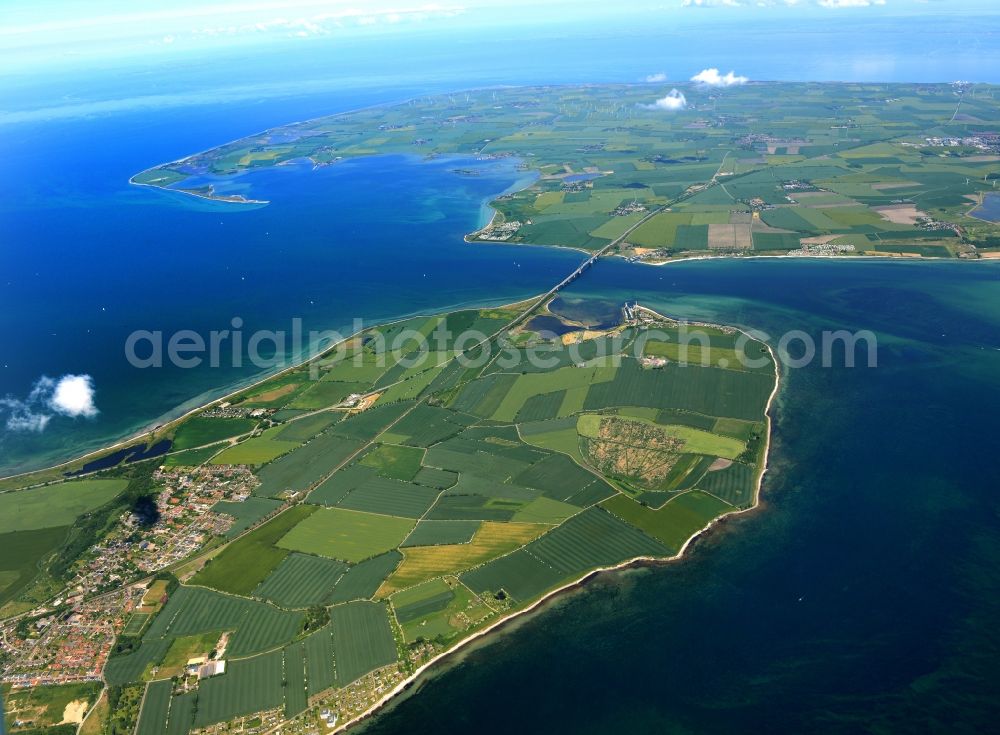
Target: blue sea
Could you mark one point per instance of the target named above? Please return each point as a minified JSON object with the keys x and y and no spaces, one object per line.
{"x":862,"y":596}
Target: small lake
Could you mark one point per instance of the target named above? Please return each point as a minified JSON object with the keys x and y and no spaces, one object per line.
{"x":594,"y":313}
{"x":989,"y":210}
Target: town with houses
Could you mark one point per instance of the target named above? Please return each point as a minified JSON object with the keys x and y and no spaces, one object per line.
{"x":70,"y":638}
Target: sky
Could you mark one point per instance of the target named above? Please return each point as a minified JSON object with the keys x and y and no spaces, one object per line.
{"x":41,"y":34}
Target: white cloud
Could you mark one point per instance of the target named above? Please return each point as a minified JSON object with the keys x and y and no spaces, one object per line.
{"x":70,"y":395}
{"x":712,"y":78}
{"x":329,"y":19}
{"x":657,"y":77}
{"x":849,"y":3}
{"x":74,"y":396}
{"x":779,"y":3}
{"x":712,"y":4}
{"x":673,"y":101}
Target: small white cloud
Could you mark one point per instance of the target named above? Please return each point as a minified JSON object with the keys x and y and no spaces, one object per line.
{"x":70,"y":395}
{"x":657,"y":77}
{"x":23,"y":419}
{"x":712,"y":78}
{"x":712,"y":4}
{"x":673,"y":101}
{"x":781,"y":3}
{"x":74,"y":396}
{"x":849,"y":3}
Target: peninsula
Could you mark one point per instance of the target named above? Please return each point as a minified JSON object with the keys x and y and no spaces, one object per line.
{"x":888,"y":170}
{"x":293,"y":555}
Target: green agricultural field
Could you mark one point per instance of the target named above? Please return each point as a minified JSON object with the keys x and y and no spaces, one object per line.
{"x":438,"y":610}
{"x":362,"y":639}
{"x":122,"y":669}
{"x":734,"y":484}
{"x":301,"y":580}
{"x":321,"y":672}
{"x":433,"y":477}
{"x":421,"y":600}
{"x":23,"y":553}
{"x":363,"y":580}
{"x":562,"y":479}
{"x":482,"y":397}
{"x":325,"y":393}
{"x":155,"y":708}
{"x":369,"y":424}
{"x":675,"y":522}
{"x":390,"y":497}
{"x":306,"y":465}
{"x":542,"y":406}
{"x":395,"y":461}
{"x":534,"y":384}
{"x":348,"y":535}
{"x":710,"y":391}
{"x":307,"y":427}
{"x":336,"y":487}
{"x":247,"y":561}
{"x":586,"y":541}
{"x":198,"y":431}
{"x":296,"y":694}
{"x":695,"y":354}
{"x":426,"y":425}
{"x":433,"y":533}
{"x":55,"y":505}
{"x":246,"y":687}
{"x":545,"y":510}
{"x":196,"y":611}
{"x":256,"y":450}
{"x":246,"y":513}
{"x":182,"y":711}
{"x":558,"y":435}
{"x":192,"y":457}
{"x":410,"y":386}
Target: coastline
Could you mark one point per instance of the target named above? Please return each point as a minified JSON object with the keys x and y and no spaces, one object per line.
{"x":637,"y":561}
{"x":165,"y":421}
{"x":504,"y":620}
{"x":209,"y":197}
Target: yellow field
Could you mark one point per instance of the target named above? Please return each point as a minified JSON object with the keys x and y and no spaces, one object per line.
{"x":275,"y":393}
{"x":269,"y":155}
{"x":155,"y":593}
{"x":94,"y":724}
{"x":491,"y":540}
